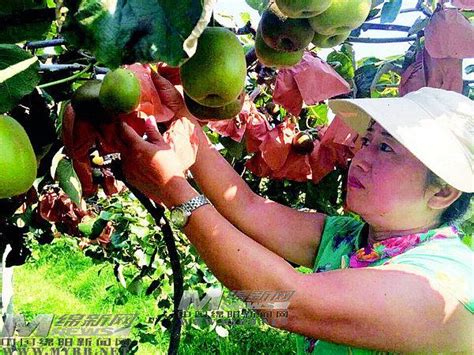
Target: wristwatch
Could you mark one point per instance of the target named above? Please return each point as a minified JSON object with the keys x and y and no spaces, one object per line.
{"x":180,"y":214}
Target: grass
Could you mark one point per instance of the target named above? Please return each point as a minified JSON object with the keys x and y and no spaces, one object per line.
{"x":63,"y":281}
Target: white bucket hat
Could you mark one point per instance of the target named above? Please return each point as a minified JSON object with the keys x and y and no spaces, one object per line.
{"x":437,"y":126}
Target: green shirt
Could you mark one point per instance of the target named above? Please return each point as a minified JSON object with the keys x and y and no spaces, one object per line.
{"x":446,"y":261}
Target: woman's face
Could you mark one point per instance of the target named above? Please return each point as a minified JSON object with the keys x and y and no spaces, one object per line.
{"x":387,"y":184}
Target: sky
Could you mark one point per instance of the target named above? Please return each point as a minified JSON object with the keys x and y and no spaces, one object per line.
{"x":235,"y":8}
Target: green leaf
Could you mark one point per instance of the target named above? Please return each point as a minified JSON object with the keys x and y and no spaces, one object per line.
{"x":342,"y":63}
{"x":235,"y":149}
{"x":468,"y":14}
{"x":25,"y":20}
{"x":348,"y":49}
{"x":386,"y":75}
{"x":140,"y":232}
{"x":364,"y":76}
{"x":86,"y":227}
{"x":18,"y":75}
{"x":373,"y":13}
{"x":390,"y":11}
{"x":92,"y":227}
{"x":419,"y":24}
{"x":68,"y":180}
{"x":107,"y":216}
{"x":259,"y":5}
{"x":245,"y":17}
{"x":121,"y":32}
{"x":319,"y":113}
{"x":135,"y":287}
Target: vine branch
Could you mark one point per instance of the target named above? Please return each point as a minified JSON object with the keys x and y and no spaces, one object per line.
{"x":158,"y":214}
{"x":381,"y":40}
{"x":384,"y":27}
{"x":70,"y":67}
{"x":65,"y":80}
{"x":45,"y":43}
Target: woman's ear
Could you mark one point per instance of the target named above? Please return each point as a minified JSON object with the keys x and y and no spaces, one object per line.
{"x":442,"y":196}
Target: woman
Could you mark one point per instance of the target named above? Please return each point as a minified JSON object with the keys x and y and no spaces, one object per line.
{"x":401,"y":281}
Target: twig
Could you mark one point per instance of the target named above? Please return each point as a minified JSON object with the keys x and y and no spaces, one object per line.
{"x":381,"y":40}
{"x":70,"y":67}
{"x":45,"y":43}
{"x":65,"y":80}
{"x":384,"y":27}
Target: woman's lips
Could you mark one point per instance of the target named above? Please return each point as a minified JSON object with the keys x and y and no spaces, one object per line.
{"x":355,"y":183}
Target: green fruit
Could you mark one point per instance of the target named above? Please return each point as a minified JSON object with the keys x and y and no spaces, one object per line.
{"x":120,"y":91}
{"x":17,"y":159}
{"x":273,"y":58}
{"x":283,"y":33}
{"x":214,"y":113}
{"x":302,"y":8}
{"x":323,"y":41}
{"x":342,"y":16}
{"x":85,"y":100}
{"x":215,"y":75}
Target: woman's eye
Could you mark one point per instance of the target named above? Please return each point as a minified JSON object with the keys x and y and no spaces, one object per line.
{"x":385,"y":147}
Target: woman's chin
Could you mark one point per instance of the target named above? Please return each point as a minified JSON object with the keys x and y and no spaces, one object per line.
{"x":355,"y":206}
{"x":352,"y":204}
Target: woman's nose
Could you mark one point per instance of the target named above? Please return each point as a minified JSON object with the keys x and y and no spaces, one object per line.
{"x":362,"y":159}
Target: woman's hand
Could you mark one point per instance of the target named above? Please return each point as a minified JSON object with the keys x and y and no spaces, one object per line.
{"x":151,"y":165}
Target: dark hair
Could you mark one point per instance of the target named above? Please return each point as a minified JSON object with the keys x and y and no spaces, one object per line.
{"x":458,"y":208}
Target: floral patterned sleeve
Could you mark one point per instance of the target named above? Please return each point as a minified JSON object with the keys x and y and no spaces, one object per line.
{"x":447,"y":262}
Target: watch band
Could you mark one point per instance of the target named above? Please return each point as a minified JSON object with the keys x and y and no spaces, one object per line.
{"x":194,"y":203}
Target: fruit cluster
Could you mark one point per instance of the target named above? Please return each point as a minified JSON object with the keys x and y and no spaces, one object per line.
{"x":287,"y":27}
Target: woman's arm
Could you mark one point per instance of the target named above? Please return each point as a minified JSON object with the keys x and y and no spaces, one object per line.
{"x":292,"y":234}
{"x":387,"y":308}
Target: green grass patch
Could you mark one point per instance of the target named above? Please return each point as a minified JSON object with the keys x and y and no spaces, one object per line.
{"x":61,"y":280}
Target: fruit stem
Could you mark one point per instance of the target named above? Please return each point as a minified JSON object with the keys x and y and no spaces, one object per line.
{"x":65,"y":80}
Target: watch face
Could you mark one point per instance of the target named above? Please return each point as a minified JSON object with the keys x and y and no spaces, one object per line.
{"x":179,"y":217}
